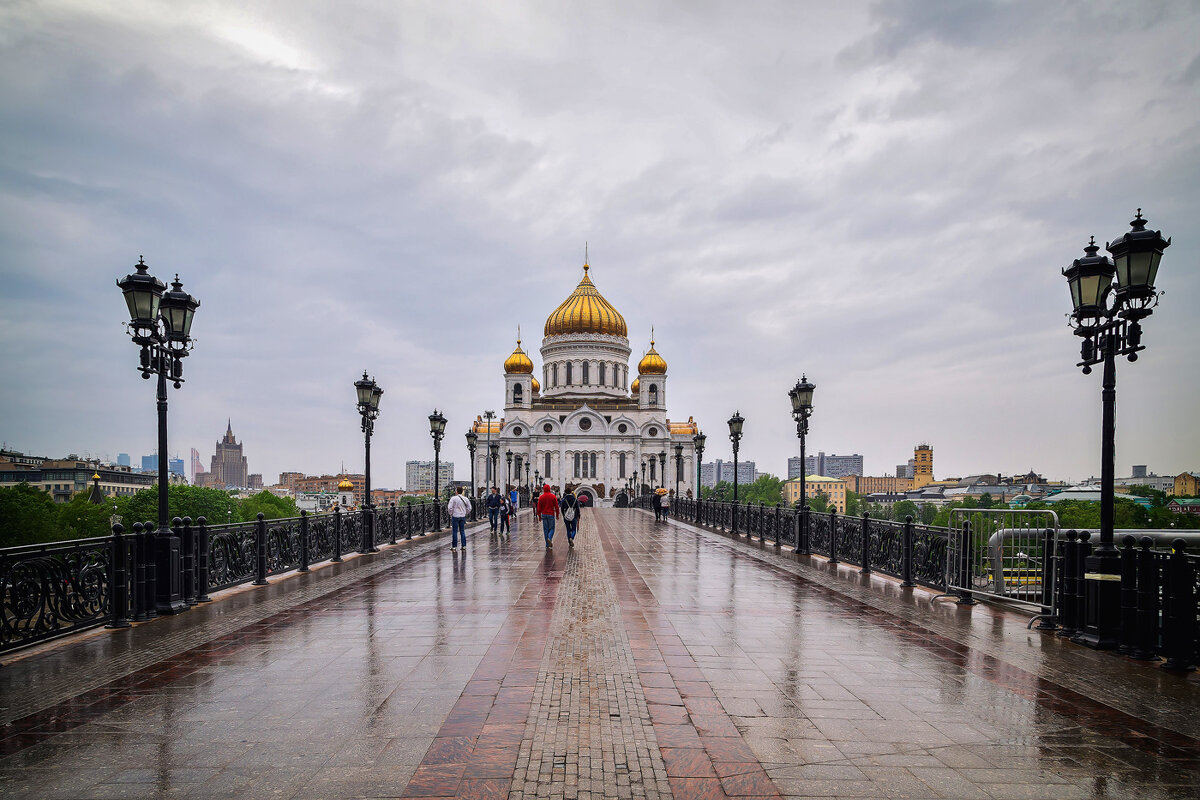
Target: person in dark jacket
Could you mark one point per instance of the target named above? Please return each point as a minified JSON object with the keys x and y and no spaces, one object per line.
{"x":570,"y":507}
{"x":506,"y":511}
{"x":493,"y":507}
{"x":547,"y":509}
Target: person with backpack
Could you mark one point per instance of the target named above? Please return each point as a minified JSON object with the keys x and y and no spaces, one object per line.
{"x":570,"y":506}
{"x":547,"y":509}
{"x":506,"y":511}
{"x":657,"y":508}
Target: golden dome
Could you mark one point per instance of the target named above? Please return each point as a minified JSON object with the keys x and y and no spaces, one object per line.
{"x":344,"y":485}
{"x":652,"y":363}
{"x":633,"y":387}
{"x":586,"y":311}
{"x":518,"y":363}
{"x":537,"y":387}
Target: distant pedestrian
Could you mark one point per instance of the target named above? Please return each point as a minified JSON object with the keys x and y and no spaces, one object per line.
{"x":547,"y":509}
{"x":493,"y":506}
{"x":514,"y":497}
{"x":664,"y":506}
{"x":458,"y":508}
{"x":506,"y":511}
{"x":570,"y":507}
{"x":657,"y":508}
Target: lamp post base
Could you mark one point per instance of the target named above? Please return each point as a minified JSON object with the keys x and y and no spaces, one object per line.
{"x":169,"y":583}
{"x":1102,"y":601}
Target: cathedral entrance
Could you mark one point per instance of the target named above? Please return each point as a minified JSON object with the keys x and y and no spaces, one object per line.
{"x":586,"y":491}
{"x":622,"y":501}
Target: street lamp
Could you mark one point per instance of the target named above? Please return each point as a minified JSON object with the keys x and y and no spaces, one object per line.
{"x":494,"y":453}
{"x":735,"y":436}
{"x":645,"y":475}
{"x":368,"y":407}
{"x":508,"y":454}
{"x":472,"y":444}
{"x":678,"y":468}
{"x":662,"y":469}
{"x":698,"y":442}
{"x":437,"y":429}
{"x":1107,"y":316}
{"x":530,"y":500}
{"x":160,"y":324}
{"x":488,"y":416}
{"x":801,"y":396}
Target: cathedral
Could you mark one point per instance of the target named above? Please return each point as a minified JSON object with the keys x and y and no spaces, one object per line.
{"x":585,"y":425}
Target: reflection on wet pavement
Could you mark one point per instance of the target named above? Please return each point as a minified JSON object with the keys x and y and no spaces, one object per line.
{"x":650,"y":661}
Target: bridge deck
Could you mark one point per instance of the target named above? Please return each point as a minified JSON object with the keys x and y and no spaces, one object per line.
{"x":650,"y":661}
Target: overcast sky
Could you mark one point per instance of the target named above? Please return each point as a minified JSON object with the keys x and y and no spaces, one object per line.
{"x":881,"y":195}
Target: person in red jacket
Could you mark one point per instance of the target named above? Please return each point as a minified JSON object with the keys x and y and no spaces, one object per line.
{"x":547,"y":509}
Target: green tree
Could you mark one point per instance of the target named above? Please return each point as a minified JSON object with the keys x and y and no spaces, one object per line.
{"x":905,"y":508}
{"x":270,"y":506}
{"x":854,"y":504}
{"x":216,"y":505}
{"x":928,"y":513}
{"x":819,"y":503}
{"x":83,"y":519}
{"x":1157,"y":499}
{"x":27,"y":516}
{"x":986,"y":500}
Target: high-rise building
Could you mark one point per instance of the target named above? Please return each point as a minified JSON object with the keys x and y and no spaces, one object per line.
{"x":197,"y":464}
{"x":228,"y":464}
{"x":254,"y":480}
{"x":288,"y":479}
{"x":716,"y":471}
{"x":123,"y":460}
{"x":418,"y":476}
{"x":1139,"y":471}
{"x":831,"y":466}
{"x":175,"y":465}
{"x":150,"y":463}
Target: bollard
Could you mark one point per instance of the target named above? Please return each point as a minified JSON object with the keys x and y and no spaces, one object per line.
{"x":1179,"y":610}
{"x":303,"y":542}
{"x":1128,"y":596}
{"x":118,"y":588}
{"x":866,"y":544}
{"x":188,"y":562}
{"x":833,"y":536}
{"x":337,"y":535}
{"x":260,"y":538}
{"x":906,"y":555}
{"x":1067,"y":585}
{"x":202,"y":561}
{"x":392,"y":537}
{"x":140,"y":612}
{"x":1048,"y":621}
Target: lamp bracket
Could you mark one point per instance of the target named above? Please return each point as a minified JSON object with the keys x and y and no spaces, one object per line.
{"x":1117,"y":336}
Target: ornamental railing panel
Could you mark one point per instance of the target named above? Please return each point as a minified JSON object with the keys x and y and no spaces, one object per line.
{"x":283,"y":545}
{"x":930,"y":546}
{"x":53,"y":589}
{"x":849,"y":539}
{"x":352,"y":523}
{"x":232,"y":554}
{"x":320,"y":537}
{"x":887,"y":547}
{"x":820,"y":533}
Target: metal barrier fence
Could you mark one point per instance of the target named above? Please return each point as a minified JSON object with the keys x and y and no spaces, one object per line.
{"x":49,"y":590}
{"x":1007,"y":554}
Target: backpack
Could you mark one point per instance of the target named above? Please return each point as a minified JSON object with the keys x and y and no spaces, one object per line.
{"x":569,"y":512}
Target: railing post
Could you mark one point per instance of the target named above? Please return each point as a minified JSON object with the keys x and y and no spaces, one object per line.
{"x":778,"y":521}
{"x":1048,"y":619}
{"x":866,"y":544}
{"x":118,"y":580}
{"x":1179,"y":613}
{"x":260,"y":539}
{"x":833,"y":536}
{"x":139,"y":574}
{"x":803,"y":542}
{"x":202,"y":561}
{"x":1128,"y":596}
{"x":1083,"y":548}
{"x":408,"y":516}
{"x":392,"y":537}
{"x":303,"y":542}
{"x":188,"y":562}
{"x":964,"y":566}
{"x":906,"y":562}
{"x":1066,"y":583}
{"x":1146,"y":645}
{"x":337,"y":535}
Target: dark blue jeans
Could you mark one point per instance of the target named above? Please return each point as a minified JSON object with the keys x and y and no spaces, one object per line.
{"x":572,"y":525}
{"x":458,"y":527}
{"x":493,"y":517}
{"x":548,"y":526}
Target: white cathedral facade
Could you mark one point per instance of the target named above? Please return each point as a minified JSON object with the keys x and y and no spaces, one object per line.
{"x":585,"y":425}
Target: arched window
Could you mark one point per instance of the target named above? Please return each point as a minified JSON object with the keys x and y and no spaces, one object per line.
{"x":569,"y":370}
{"x":593,"y":471}
{"x":547,"y":471}
{"x":586,"y":377}
{"x":621,"y":464}
{"x":653,"y":394}
{"x":518,"y":394}
{"x":576,"y":473}
{"x":653,"y":463}
{"x":554,"y":375}
{"x":602,"y":365}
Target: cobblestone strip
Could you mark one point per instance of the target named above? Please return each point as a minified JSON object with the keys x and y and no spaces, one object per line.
{"x":33,"y":681}
{"x":589,"y":733}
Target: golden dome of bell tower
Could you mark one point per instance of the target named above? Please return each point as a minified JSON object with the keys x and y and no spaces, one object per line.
{"x":652,"y":363}
{"x":519,"y":362}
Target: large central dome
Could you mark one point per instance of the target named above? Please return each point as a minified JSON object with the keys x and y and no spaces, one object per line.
{"x":586,"y":311}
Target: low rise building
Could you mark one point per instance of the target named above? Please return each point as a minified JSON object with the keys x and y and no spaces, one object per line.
{"x":64,"y":478}
{"x":833,"y":488}
{"x":1188,"y":505}
{"x":870,"y":484}
{"x":1186,"y":484}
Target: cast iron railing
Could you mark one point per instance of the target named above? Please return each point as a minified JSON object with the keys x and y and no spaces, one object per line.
{"x":49,"y":590}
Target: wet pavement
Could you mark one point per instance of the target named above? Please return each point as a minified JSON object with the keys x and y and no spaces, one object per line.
{"x":649,"y":661}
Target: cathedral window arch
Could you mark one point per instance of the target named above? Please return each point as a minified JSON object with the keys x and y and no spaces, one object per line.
{"x":593,"y":459}
{"x":546,"y":473}
{"x":602,"y":375}
{"x":577,"y":460}
{"x":586,"y":376}
{"x":569,"y":371}
{"x":653,"y":394}
{"x":554,"y":375}
{"x":621,"y":465}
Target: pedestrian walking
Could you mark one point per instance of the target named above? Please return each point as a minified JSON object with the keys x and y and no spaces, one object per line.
{"x":664,"y":506}
{"x":457,"y":509}
{"x":506,"y":511}
{"x":657,"y":508}
{"x":570,"y":507}
{"x":493,"y":507}
{"x":547,"y":509}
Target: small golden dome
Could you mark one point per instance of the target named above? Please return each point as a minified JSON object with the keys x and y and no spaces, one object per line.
{"x":586,"y":311}
{"x":537,"y":387}
{"x":518,"y":363}
{"x":344,"y":485}
{"x":652,"y":363}
{"x":95,"y":476}
{"x":633,"y":387}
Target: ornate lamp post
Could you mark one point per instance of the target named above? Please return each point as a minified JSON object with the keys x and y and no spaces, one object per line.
{"x":508,"y":454}
{"x":437,"y":429}
{"x":645,"y":475}
{"x":698,"y":442}
{"x":735,"y":436}
{"x":530,"y":486}
{"x":369,"y":394}
{"x":472,"y":444}
{"x":662,"y":469}
{"x":678,"y":468}
{"x":537,"y":483}
{"x":494,"y":453}
{"x":488,"y":416}
{"x":637,"y":485}
{"x":1107,"y":315}
{"x":160,"y":324}
{"x":801,"y":396}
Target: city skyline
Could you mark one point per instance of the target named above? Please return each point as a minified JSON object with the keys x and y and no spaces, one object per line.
{"x":444,"y":186}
